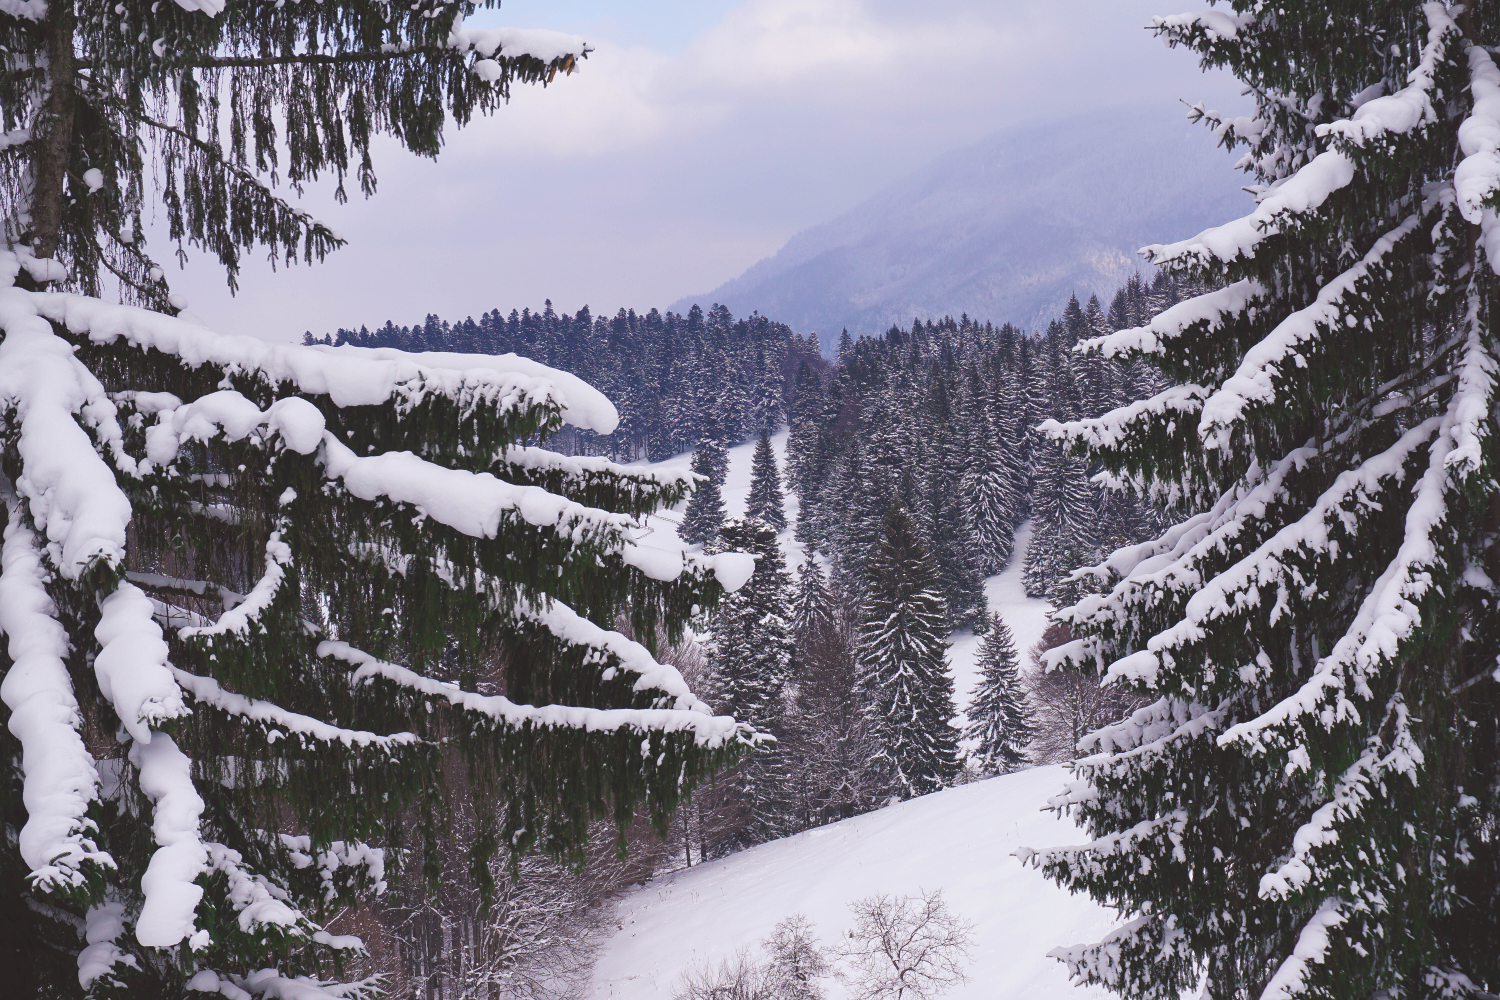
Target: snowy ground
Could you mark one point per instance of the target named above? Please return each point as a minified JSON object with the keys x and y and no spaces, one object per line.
{"x":1026,"y":616}
{"x":959,"y":840}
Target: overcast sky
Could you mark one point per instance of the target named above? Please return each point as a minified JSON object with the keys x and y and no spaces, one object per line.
{"x":698,"y":137}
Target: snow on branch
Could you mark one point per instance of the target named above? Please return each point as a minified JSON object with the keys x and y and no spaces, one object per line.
{"x":1300,"y":194}
{"x":1173,"y":569}
{"x":1290,"y":980}
{"x":1390,"y":613}
{"x":238,"y":619}
{"x":131,"y":665}
{"x":1121,"y":426}
{"x":1477,"y":177}
{"x":1255,"y":382}
{"x":574,"y":629}
{"x":208,"y":691}
{"x":469,"y":502}
{"x":711,"y":731}
{"x":1359,"y":785}
{"x":517,"y":43}
{"x":60,"y":779}
{"x":349,"y":376}
{"x":1411,"y":106}
{"x":1269,"y":571}
{"x":71,"y":493}
{"x":339,"y":854}
{"x":1211,"y":309}
{"x":169,"y":884}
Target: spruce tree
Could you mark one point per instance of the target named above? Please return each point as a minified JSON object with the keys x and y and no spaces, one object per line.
{"x":1309,"y":805}
{"x":255,"y":598}
{"x":991,"y":500}
{"x":903,"y":660}
{"x":1063,"y":512}
{"x":704,"y":514}
{"x":812,"y":604}
{"x":751,"y":657}
{"x":999,"y":718}
{"x":212,"y":105}
{"x":766,"y":502}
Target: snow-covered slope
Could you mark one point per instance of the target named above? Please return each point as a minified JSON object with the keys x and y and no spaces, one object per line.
{"x":959,"y":840}
{"x":1004,"y":230}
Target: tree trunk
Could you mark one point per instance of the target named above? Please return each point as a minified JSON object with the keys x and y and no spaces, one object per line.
{"x":52,"y":132}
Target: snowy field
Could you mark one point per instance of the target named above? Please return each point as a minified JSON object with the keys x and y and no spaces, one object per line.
{"x":959,"y":840}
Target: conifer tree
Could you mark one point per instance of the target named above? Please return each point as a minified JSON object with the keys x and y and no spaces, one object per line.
{"x":999,"y":718}
{"x":903,"y":659}
{"x":253,"y":596}
{"x":812,"y":603}
{"x":100,"y":102}
{"x":704,"y":515}
{"x":991,"y":499}
{"x":766,"y":502}
{"x":751,"y":657}
{"x":1063,"y":515}
{"x":1307,"y":807}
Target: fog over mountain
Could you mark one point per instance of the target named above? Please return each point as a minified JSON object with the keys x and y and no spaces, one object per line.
{"x":1004,"y":230}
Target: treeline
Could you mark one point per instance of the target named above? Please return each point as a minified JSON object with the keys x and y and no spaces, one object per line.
{"x":670,"y":374}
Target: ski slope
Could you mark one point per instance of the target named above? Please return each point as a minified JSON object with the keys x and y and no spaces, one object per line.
{"x":959,"y":840}
{"x":1026,"y":616}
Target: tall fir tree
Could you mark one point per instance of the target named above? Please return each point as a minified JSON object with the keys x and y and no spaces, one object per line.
{"x":903,"y":660}
{"x":1308,"y":807}
{"x":999,"y":719}
{"x":813,"y":609}
{"x":1063,"y":510}
{"x":766,"y":502}
{"x":991,"y":499}
{"x":249,"y":593}
{"x":750,"y":654}
{"x":703,"y":516}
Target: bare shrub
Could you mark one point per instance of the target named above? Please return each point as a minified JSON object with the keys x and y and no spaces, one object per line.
{"x":738,"y":977}
{"x":905,"y":947}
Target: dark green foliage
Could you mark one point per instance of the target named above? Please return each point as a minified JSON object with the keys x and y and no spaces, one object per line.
{"x":215,"y":111}
{"x":704,"y":514}
{"x":903,"y":661}
{"x":1308,"y":805}
{"x":766,"y":502}
{"x":999,"y":718}
{"x":751,"y":659}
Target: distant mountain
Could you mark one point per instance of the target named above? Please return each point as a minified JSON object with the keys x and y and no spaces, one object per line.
{"x":1004,"y":230}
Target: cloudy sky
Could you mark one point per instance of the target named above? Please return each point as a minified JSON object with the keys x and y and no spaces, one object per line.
{"x":698,"y":137}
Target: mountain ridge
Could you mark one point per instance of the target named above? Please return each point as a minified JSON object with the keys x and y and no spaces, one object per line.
{"x":1004,"y":230}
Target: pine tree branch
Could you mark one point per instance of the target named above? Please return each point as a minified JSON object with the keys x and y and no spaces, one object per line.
{"x":317,"y":58}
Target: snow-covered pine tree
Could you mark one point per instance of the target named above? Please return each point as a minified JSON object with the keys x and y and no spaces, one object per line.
{"x":281,"y":576}
{"x":1309,"y":806}
{"x":250,"y":594}
{"x":990,"y":499}
{"x":703,"y":516}
{"x":812,"y":604}
{"x":1062,"y":512}
{"x":766,"y":502}
{"x":903,"y":661}
{"x":999,"y":720}
{"x":750,"y":655}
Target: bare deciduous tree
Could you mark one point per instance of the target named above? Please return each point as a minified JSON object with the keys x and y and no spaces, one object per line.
{"x":796,"y":960}
{"x":905,"y":947}
{"x":1068,"y":704}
